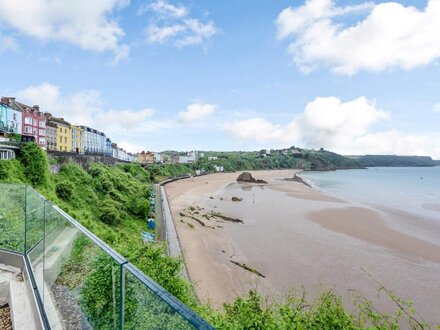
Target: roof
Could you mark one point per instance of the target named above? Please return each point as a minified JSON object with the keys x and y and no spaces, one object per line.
{"x":58,"y":120}
{"x":50,"y":123}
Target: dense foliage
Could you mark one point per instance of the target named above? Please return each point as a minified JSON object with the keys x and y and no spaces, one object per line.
{"x":113,"y":203}
{"x":35,"y":164}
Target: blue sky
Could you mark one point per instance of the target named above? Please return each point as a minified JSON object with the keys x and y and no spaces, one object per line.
{"x":351,"y":76}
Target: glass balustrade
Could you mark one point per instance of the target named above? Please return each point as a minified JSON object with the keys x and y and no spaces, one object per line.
{"x":81,"y":282}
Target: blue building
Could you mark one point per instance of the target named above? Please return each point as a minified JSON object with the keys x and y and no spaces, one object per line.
{"x":108,"y":147}
{"x":11,"y":118}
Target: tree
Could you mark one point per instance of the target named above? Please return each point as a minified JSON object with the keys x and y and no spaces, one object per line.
{"x":36,"y":165}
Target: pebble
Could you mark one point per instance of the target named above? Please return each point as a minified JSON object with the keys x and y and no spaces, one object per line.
{"x":5,"y":318}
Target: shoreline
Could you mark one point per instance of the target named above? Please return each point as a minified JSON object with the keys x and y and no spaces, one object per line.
{"x":299,"y":240}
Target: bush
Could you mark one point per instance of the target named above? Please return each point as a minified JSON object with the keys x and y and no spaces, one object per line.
{"x":110,"y":215}
{"x":64,"y":190}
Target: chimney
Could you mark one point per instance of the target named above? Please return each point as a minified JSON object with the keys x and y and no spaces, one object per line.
{"x":36,"y":108}
{"x":5,"y":100}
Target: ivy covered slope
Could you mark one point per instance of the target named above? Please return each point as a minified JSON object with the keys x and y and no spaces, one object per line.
{"x":112,"y":202}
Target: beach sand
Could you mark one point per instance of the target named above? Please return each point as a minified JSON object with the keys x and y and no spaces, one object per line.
{"x":297,"y":237}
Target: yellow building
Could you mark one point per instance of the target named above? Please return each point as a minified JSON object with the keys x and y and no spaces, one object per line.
{"x":77,"y":139}
{"x":64,"y":134}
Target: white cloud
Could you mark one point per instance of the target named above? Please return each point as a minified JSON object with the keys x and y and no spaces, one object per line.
{"x":437,"y":107}
{"x":161,"y":35}
{"x":7,"y":43}
{"x":130,"y":147}
{"x":197,"y":112}
{"x":87,"y":24}
{"x":172,"y":24}
{"x":257,"y":129}
{"x":344,"y":127}
{"x":398,"y":143}
{"x":390,"y":36}
{"x":164,"y":8}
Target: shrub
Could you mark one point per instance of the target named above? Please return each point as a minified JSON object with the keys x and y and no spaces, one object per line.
{"x":64,"y":190}
{"x":110,"y":215}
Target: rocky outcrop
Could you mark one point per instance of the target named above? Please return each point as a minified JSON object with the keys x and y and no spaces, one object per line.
{"x":246,"y":177}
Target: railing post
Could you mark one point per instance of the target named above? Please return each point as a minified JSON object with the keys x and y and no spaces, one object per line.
{"x":122,"y":295}
{"x":25,"y":219}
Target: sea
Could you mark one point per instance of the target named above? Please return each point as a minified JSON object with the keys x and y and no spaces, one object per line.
{"x":413,"y":190}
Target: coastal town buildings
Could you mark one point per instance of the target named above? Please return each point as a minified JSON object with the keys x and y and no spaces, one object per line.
{"x":15,"y":121}
{"x":33,"y":124}
{"x":51,"y":135}
{"x":3,"y":118}
{"x":95,"y":141}
{"x":77,"y":139}
{"x":146,"y":157}
{"x":64,"y":133}
{"x":29,"y":124}
{"x":108,"y":147}
{"x":219,"y":168}
{"x":11,"y":119}
{"x":158,"y":157}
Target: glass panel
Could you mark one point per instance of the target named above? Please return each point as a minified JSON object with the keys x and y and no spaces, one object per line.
{"x":12,"y":205}
{"x":143,"y":309}
{"x":82,"y":282}
{"x":34,"y":221}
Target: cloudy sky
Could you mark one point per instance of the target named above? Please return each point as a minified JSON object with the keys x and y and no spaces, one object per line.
{"x":351,"y":76}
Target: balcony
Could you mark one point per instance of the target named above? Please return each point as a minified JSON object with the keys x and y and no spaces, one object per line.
{"x":47,"y":285}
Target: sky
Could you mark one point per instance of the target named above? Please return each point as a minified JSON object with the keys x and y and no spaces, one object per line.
{"x":351,"y":76}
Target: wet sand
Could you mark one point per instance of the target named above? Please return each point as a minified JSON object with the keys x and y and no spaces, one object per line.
{"x":297,"y":237}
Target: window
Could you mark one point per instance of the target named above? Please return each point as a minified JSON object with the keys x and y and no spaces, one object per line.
{"x":61,"y":139}
{"x":28,"y":120}
{"x":28,"y":129}
{"x":42,"y":124}
{"x":42,"y":140}
{"x":65,"y":130}
{"x":35,"y":122}
{"x":14,"y":117}
{"x":34,"y":131}
{"x":65,"y":140}
{"x":42,"y":132}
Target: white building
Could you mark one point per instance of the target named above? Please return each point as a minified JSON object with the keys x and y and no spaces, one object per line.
{"x":158,"y":158}
{"x":185,"y":160}
{"x":94,"y":140}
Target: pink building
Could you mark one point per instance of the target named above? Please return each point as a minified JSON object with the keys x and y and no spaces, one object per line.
{"x":34,"y":124}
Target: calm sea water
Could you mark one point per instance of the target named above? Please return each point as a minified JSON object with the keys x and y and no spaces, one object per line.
{"x":415,"y":190}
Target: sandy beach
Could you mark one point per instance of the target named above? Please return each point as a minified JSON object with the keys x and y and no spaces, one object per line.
{"x":293,"y":236}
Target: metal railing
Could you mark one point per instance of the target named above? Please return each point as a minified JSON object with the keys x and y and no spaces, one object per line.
{"x":80,"y":282}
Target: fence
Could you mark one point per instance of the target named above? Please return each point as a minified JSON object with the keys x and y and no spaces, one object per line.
{"x":81,"y":282}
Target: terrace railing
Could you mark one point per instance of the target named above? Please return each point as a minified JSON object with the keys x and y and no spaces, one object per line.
{"x":79,"y":281}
